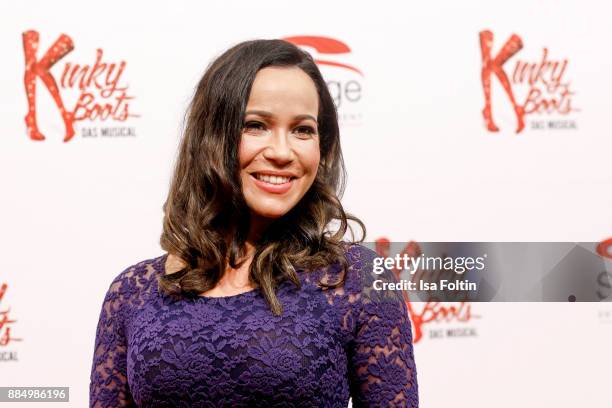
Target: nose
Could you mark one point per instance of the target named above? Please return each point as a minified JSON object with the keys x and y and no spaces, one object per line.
{"x":279,"y":149}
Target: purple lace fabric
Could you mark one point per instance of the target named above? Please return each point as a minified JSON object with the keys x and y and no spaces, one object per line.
{"x":328,"y":345}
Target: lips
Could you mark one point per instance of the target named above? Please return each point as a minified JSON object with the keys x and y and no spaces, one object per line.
{"x":272,"y":179}
{"x":275,"y":183}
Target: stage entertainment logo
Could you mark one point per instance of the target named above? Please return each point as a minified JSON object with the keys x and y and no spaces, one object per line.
{"x":85,"y":93}
{"x":442,"y":319}
{"x":604,"y":278}
{"x":604,"y":282}
{"x":537,"y":87}
{"x":6,"y":322}
{"x":344,"y":80}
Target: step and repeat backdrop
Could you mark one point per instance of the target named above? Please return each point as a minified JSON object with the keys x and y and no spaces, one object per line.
{"x":461,"y":121}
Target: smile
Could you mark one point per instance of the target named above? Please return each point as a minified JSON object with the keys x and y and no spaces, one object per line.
{"x":274,"y":184}
{"x":272,"y":179}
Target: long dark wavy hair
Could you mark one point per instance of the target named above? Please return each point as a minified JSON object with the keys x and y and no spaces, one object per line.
{"x":206,"y":219}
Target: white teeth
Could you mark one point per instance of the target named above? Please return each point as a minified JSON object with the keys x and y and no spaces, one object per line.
{"x":272,"y":179}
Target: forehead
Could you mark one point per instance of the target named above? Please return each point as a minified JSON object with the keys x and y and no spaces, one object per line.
{"x":284,"y":91}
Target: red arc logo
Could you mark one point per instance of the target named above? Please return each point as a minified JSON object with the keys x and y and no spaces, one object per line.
{"x":604,"y":248}
{"x":324,"y":45}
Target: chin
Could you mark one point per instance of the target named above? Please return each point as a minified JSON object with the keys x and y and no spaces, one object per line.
{"x":271,"y":214}
{"x":270,"y":207}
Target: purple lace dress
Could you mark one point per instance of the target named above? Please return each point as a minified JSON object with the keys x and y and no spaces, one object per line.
{"x":328,"y":345}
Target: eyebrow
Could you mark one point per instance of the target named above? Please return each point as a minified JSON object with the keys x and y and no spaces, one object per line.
{"x":269,"y":115}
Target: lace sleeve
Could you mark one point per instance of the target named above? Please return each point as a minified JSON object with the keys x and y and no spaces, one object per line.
{"x":108,"y":384}
{"x":382,"y":367}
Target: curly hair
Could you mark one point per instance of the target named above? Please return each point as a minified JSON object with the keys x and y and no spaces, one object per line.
{"x":206,"y":219}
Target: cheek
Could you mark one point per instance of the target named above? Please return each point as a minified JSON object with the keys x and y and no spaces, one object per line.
{"x":310,"y":159}
{"x":244,"y":154}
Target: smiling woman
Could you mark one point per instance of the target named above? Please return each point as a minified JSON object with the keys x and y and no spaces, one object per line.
{"x":279,"y":149}
{"x":258,"y":301}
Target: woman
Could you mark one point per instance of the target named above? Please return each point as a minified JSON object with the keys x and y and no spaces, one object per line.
{"x":258,"y":301}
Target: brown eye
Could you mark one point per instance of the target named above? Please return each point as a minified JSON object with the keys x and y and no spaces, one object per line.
{"x":305,"y":131}
{"x":254,"y":127}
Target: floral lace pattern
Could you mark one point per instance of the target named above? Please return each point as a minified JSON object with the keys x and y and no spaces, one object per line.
{"x":328,"y":345}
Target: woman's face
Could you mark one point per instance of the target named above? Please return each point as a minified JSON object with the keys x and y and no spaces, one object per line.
{"x":279,"y":148}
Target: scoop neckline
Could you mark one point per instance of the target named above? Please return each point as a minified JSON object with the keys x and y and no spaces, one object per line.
{"x":212,"y":298}
{"x":228,"y":297}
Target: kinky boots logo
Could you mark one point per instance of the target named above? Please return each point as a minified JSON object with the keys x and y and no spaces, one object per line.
{"x":431,"y":318}
{"x":538,"y":88}
{"x":6,"y":324}
{"x":84,"y":93}
{"x":344,"y":80}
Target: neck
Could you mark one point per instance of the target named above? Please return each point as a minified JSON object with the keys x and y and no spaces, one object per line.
{"x":256,"y":229}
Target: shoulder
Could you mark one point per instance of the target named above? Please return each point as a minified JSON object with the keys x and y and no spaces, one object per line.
{"x":367,"y":274}
{"x":360,"y":301}
{"x":136,"y":278}
{"x":360,"y":266}
{"x":127,"y":291}
{"x":359,"y":256}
